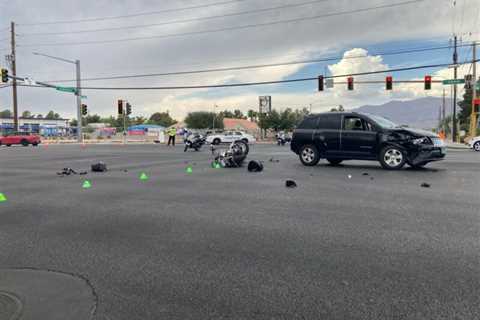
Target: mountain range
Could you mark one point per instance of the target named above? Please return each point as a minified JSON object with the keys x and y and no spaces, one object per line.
{"x":420,"y":113}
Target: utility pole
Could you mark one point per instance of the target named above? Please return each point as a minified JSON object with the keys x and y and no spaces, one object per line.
{"x":14,"y":82}
{"x":473,"y":117}
{"x":454,"y":116}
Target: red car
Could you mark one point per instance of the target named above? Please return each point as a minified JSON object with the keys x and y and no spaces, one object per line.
{"x":20,"y":138}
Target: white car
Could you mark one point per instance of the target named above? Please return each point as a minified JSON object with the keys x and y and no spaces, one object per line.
{"x":229,"y":137}
{"x":475,"y":144}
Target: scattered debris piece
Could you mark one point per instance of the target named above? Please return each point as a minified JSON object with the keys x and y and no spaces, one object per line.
{"x":66,"y":172}
{"x":365,"y":174}
{"x":99,"y":167}
{"x":290,"y":184}
{"x":83,"y":173}
{"x":274,"y":160}
{"x":255,"y":166}
{"x":372,"y":178}
{"x":425,"y":185}
{"x":3,"y":198}
{"x":125,"y":170}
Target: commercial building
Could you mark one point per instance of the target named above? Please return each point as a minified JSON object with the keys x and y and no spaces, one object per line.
{"x":44,"y":127}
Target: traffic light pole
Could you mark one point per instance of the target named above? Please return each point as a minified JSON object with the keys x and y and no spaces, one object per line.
{"x":454,"y":116}
{"x":473,"y":117}
{"x":14,"y":82}
{"x":78,"y":93}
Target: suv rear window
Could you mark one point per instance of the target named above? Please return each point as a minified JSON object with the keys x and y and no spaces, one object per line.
{"x":309,"y":123}
{"x":329,"y":122}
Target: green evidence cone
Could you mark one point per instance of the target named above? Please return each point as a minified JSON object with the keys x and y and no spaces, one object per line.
{"x":189,"y":170}
{"x":143,"y":176}
{"x":87,"y":184}
{"x":3,"y":198}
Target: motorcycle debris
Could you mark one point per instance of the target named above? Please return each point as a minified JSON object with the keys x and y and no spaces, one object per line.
{"x":255,"y":166}
{"x":290,"y":184}
{"x":425,"y":185}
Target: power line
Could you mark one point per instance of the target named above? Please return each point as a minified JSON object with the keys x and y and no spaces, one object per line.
{"x":132,"y":15}
{"x":294,"y":5}
{"x":269,"y":82}
{"x":416,"y":50}
{"x":302,"y":19}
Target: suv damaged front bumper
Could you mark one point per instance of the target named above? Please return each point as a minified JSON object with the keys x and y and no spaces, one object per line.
{"x":427,"y":154}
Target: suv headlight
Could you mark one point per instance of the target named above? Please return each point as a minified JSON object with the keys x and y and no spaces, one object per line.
{"x":420,"y":141}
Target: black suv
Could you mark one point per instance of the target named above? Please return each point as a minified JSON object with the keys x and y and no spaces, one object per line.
{"x":339,"y":136}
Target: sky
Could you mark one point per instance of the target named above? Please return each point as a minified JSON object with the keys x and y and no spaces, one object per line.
{"x":184,"y":35}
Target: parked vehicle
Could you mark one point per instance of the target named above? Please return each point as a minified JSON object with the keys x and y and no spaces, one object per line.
{"x":229,"y":137}
{"x":475,"y":144}
{"x":194,"y":141}
{"x":21,"y":138}
{"x":340,"y":136}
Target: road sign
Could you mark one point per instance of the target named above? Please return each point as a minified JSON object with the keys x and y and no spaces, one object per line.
{"x":66,"y":89}
{"x":453,"y":81}
{"x":476,"y":101}
{"x":265,"y":104}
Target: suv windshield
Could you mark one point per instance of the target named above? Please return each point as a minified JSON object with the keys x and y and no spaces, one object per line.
{"x":382,"y":122}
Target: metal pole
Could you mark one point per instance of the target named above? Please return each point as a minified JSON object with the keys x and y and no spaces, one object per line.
{"x":14,"y":83}
{"x":454,"y":116}
{"x":124,"y":106}
{"x":473,"y":117}
{"x":78,"y":93}
{"x":443,"y":106}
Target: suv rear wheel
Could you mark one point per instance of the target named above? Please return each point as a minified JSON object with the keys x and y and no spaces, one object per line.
{"x":309,"y":155}
{"x":392,"y":158}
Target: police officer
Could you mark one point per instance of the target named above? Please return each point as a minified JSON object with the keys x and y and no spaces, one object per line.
{"x":172,"y":132}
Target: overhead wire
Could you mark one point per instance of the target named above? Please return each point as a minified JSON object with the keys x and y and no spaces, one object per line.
{"x":231,"y":85}
{"x":149,"y":13}
{"x":310,"y":61}
{"x":249,"y":26}
{"x":291,"y":5}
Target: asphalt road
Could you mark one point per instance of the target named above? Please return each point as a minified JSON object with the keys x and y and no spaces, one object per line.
{"x":228,"y":244}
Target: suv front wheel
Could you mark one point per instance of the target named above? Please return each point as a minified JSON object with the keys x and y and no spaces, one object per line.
{"x":392,"y":158}
{"x":309,"y":155}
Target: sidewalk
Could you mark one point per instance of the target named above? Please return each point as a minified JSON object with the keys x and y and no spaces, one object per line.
{"x":456,"y":146}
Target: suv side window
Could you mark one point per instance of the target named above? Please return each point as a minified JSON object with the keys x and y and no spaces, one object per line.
{"x":331,"y":122}
{"x":354,"y":123}
{"x":309,"y":123}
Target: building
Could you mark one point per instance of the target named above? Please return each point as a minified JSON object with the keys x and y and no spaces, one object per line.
{"x":44,"y":127}
{"x":247,"y":126}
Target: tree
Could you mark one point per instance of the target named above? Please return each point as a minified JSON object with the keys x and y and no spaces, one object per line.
{"x":203,"y":120}
{"x":6,"y":114}
{"x":238,"y":114}
{"x":93,"y":119}
{"x":253,"y":115}
{"x":162,"y":119}
{"x":465,"y":111}
{"x":52,"y":116}
{"x":26,"y":114}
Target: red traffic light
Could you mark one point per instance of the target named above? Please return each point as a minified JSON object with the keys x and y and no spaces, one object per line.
{"x":120,"y":107}
{"x":350,"y":83}
{"x":428,"y":82}
{"x":320,"y":83}
{"x":389,"y":83}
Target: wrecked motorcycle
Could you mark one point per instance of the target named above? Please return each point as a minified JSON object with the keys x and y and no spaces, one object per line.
{"x":194,"y":141}
{"x":234,"y":156}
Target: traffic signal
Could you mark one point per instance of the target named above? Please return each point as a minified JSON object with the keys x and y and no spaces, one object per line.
{"x":120,"y":107}
{"x":4,"y":75}
{"x":428,"y":82}
{"x":320,"y":83}
{"x":389,"y":83}
{"x":350,"y":83}
{"x":84,"y":109}
{"x":129,"y":109}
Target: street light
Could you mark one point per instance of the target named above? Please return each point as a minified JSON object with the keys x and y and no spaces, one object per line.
{"x":78,"y":91}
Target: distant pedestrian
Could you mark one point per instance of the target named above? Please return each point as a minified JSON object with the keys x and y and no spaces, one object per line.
{"x":172,"y":132}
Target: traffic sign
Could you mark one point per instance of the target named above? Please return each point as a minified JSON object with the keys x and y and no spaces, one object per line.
{"x":66,"y":89}
{"x":476,"y":101}
{"x":453,"y":81}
